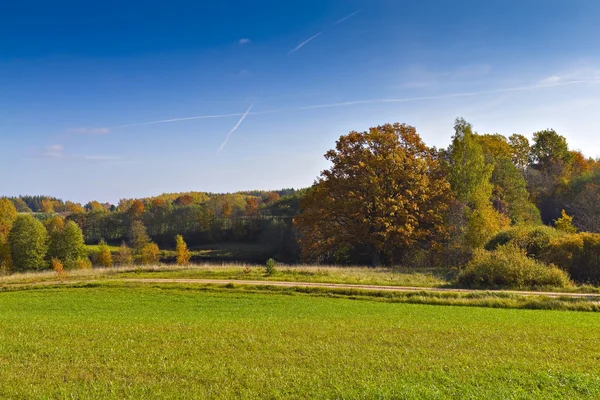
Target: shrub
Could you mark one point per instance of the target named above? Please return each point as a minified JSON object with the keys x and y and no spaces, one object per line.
{"x":27,"y":240}
{"x":125,"y":255}
{"x":149,"y":254}
{"x":533,"y":239}
{"x":57,"y":266}
{"x":577,"y":254}
{"x":270,"y":267}
{"x":509,"y":267}
{"x":79,"y":263}
{"x":103,"y":257}
{"x":565,"y":223}
{"x":181,"y":250}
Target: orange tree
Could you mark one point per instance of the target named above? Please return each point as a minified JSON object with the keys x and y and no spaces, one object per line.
{"x":384,"y":192}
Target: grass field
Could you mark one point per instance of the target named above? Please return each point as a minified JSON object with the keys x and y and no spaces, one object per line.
{"x":141,"y":341}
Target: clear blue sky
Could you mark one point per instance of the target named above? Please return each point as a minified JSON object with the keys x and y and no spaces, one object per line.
{"x":78,"y":78}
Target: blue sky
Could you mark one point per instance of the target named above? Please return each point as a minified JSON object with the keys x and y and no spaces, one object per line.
{"x":78,"y":80}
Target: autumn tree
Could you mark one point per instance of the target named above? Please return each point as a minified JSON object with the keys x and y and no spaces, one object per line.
{"x":47,"y":206}
{"x":20,"y":205}
{"x":94,"y":206}
{"x":54,"y":224}
{"x":73,"y":207}
{"x":272,"y":197}
{"x":28,"y":244}
{"x":384,"y":192}
{"x":252,"y":207}
{"x":149,"y":254}
{"x":182,"y":253}
{"x":565,"y":223}
{"x":104,"y":257}
{"x":509,"y":187}
{"x":137,"y":209}
{"x":8,"y":214}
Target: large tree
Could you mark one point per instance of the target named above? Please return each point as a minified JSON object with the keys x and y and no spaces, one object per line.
{"x":67,"y":245}
{"x":8,"y":214}
{"x":470,"y":178}
{"x":27,"y":240}
{"x":384,"y":191}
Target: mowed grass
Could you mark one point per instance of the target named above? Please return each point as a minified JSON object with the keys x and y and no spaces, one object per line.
{"x":141,"y":341}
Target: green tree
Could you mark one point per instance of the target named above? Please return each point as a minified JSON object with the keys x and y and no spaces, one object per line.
{"x":548,"y":148}
{"x":67,"y":245}
{"x":138,"y":236}
{"x":470,"y":179}
{"x":520,"y":149}
{"x":27,"y":240}
{"x":384,"y":192}
{"x":182,"y":253}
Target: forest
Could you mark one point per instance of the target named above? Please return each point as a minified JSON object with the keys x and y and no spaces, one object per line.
{"x":498,"y":210}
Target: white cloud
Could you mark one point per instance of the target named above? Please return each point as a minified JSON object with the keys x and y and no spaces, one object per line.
{"x":53,"y":151}
{"x":244,"y":41}
{"x":57,"y":151}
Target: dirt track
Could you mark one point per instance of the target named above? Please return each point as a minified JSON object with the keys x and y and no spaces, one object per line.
{"x":594,"y":296}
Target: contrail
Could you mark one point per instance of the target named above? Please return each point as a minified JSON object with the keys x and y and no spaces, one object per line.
{"x":348,"y":16}
{"x":235,"y":128}
{"x":304,"y":43}
{"x":164,"y":121}
{"x":368,"y":101}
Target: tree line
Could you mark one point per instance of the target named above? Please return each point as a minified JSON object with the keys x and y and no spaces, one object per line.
{"x":387,"y":198}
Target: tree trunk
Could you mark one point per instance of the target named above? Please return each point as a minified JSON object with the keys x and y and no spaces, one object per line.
{"x":376,"y":262}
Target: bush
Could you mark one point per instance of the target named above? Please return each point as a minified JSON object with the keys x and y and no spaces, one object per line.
{"x":27,"y":240}
{"x":79,"y":263}
{"x":149,"y":254}
{"x":103,"y":257}
{"x":125,"y":255}
{"x":270,"y":267}
{"x":57,"y":266}
{"x":533,"y":239}
{"x":509,"y":267}
{"x":577,"y":254}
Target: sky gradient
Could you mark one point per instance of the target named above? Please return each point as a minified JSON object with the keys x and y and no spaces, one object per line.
{"x":115,"y":100}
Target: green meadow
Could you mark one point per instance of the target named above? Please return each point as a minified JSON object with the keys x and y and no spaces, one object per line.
{"x":177,"y":341}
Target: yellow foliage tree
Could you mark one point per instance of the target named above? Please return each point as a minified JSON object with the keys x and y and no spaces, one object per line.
{"x":149,"y":254}
{"x":181,"y":251}
{"x":104,"y":257}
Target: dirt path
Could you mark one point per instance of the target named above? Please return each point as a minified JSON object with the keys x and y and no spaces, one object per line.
{"x":594,"y":296}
